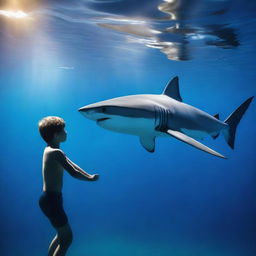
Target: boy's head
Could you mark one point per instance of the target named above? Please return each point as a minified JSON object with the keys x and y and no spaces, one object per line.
{"x":52,"y":128}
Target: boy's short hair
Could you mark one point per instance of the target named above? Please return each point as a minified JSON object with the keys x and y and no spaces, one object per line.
{"x":50,"y":125}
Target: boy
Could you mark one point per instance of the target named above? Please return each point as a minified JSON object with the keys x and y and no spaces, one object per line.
{"x":52,"y":131}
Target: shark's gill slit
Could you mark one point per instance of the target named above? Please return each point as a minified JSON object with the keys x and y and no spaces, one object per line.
{"x":161,"y":118}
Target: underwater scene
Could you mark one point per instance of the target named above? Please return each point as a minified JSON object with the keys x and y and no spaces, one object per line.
{"x":175,"y":178}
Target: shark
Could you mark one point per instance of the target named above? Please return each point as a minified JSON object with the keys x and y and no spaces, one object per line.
{"x":149,"y":116}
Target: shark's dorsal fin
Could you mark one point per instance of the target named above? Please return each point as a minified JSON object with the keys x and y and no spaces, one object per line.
{"x":192,"y":142}
{"x":172,"y":89}
{"x":148,"y":143}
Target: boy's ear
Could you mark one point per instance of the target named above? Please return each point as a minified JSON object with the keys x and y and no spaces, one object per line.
{"x":55,"y":135}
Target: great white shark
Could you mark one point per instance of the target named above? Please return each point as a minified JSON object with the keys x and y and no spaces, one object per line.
{"x":149,"y":116}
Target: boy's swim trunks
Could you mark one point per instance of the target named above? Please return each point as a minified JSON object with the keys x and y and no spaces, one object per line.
{"x":51,"y":204}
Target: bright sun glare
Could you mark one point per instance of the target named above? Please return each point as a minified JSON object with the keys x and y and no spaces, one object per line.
{"x":14,"y":14}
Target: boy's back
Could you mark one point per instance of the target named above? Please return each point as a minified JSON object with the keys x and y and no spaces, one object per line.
{"x":52,"y":171}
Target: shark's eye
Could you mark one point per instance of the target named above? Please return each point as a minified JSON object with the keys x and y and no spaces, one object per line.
{"x":104,"y":110}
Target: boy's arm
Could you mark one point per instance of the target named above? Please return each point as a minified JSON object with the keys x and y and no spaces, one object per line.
{"x":73,"y":169}
{"x":80,"y":171}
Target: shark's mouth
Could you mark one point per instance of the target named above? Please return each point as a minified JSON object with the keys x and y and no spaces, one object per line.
{"x":102,"y":119}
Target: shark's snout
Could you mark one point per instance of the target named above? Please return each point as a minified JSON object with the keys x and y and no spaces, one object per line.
{"x":87,"y":112}
{"x":83,"y":109}
{"x":94,"y":113}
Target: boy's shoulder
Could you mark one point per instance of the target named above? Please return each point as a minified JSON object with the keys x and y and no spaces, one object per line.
{"x":54,"y":152}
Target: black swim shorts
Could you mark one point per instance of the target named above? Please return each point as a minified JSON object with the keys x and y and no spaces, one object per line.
{"x":51,"y":204}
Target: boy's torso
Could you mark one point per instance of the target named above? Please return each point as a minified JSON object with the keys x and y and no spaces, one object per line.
{"x":52,"y":172}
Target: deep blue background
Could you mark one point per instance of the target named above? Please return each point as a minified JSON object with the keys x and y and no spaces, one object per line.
{"x":177,"y":201}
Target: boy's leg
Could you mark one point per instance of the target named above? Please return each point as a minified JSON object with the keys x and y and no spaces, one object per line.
{"x":53,"y":245}
{"x":65,"y":238}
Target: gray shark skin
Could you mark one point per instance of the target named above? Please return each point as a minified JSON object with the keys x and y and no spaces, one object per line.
{"x":149,"y":116}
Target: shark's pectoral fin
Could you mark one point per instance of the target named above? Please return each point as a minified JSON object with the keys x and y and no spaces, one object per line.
{"x":148,"y":143}
{"x":192,"y":142}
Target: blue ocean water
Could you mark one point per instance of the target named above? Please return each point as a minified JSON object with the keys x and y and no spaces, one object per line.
{"x":178,"y":201}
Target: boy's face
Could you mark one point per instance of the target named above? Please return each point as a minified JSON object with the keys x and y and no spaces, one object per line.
{"x":61,"y":136}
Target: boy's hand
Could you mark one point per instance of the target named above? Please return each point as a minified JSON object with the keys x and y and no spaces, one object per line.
{"x":94,"y":177}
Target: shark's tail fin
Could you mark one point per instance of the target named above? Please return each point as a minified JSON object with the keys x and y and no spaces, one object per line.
{"x":233,"y":120}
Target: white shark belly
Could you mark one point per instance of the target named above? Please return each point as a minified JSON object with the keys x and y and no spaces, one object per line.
{"x":128,"y":125}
